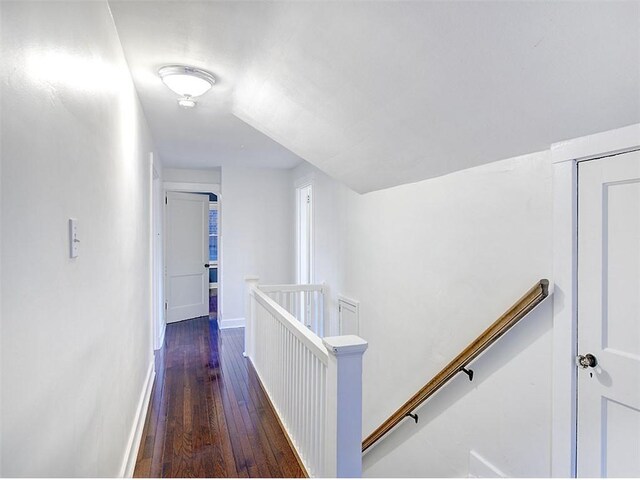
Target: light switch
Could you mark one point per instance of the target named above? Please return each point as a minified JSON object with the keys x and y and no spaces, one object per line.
{"x":74,"y":242}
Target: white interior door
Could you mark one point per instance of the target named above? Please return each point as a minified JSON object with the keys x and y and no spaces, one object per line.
{"x":609,"y":317}
{"x":187,"y":285}
{"x":304,"y":235}
{"x":304,"y":248}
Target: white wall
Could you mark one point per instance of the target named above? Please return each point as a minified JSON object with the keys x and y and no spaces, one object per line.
{"x":186,"y":175}
{"x":328,"y":217}
{"x":76,"y":333}
{"x":159,"y":322}
{"x":433,"y":264}
{"x":1,"y":236}
{"x":256,"y":233}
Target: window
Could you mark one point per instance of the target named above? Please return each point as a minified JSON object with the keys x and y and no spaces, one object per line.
{"x":213,"y":233}
{"x":213,"y":245}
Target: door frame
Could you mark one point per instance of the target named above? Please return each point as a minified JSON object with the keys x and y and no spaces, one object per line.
{"x":185,"y":187}
{"x":307,"y":181}
{"x":565,"y":157}
{"x":156,"y":251}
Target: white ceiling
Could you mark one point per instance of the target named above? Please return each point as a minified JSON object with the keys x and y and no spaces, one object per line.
{"x":380,"y":93}
{"x":216,"y":36}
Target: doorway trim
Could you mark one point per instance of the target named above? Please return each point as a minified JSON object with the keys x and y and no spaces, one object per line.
{"x":303,"y":182}
{"x":156,"y":255}
{"x":186,"y":188}
{"x":565,"y":157}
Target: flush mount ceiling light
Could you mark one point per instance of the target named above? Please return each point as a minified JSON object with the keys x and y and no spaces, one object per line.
{"x":188,"y":82}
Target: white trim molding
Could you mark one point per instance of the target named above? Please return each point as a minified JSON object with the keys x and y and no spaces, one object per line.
{"x":133,"y":445}
{"x":204,"y":188}
{"x":565,"y":238}
{"x":163,"y":331}
{"x":565,"y":157}
{"x":603,"y":144}
{"x":192,"y":187}
{"x":303,"y":181}
{"x":300,"y":183}
{"x":231,"y":323}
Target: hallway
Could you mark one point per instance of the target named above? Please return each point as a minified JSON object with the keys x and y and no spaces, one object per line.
{"x":365,"y":186}
{"x":208,"y":415}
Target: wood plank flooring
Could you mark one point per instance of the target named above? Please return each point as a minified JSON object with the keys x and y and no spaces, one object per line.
{"x":208,"y":415}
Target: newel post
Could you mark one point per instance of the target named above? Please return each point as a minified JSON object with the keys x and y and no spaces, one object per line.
{"x":343,"y":440}
{"x":251,"y":282}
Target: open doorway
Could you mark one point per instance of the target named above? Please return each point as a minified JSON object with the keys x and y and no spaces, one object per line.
{"x":213,"y":256}
{"x":187,"y":256}
{"x":304,"y":247}
{"x":304,"y":234}
{"x":192,"y":254}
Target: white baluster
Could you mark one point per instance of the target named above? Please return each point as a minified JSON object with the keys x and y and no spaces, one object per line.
{"x":315,"y":439}
{"x":299,"y":418}
{"x":320,"y":403}
{"x":312,"y":313}
{"x":280,"y":362}
{"x":323,"y":414}
{"x":309,"y":419}
{"x":303,"y":308}
{"x":288,"y":374}
{"x":305,"y":399}
{"x":326,"y":328}
{"x":318,"y":439}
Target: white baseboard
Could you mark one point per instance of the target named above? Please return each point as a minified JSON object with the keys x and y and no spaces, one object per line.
{"x":133,"y":445}
{"x":161,"y":339}
{"x":231,"y":323}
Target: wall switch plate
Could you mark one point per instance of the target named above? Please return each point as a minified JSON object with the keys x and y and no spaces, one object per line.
{"x":74,"y":242}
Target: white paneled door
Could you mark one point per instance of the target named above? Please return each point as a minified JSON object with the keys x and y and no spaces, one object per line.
{"x":609,"y":317}
{"x":304,"y":234}
{"x":187,"y":283}
{"x":305,"y":247}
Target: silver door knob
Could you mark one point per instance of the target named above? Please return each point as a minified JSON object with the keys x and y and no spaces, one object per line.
{"x":586,"y":361}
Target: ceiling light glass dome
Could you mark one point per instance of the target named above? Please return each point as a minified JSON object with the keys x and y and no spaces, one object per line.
{"x":186,"y":81}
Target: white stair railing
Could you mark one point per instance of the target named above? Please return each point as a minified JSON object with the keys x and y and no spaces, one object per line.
{"x":314,"y":384}
{"x":306,"y":302}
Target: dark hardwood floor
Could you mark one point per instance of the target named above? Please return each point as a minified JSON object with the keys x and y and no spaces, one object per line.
{"x":208,"y":415}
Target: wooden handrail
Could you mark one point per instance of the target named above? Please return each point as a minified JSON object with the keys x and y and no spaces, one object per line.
{"x":523,"y":306}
